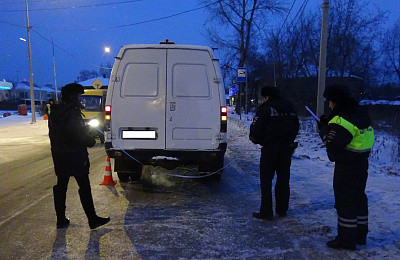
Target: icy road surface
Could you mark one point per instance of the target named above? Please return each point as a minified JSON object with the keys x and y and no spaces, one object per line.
{"x":177,"y":218}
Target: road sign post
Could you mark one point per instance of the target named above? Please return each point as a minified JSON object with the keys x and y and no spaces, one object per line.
{"x":242,"y":78}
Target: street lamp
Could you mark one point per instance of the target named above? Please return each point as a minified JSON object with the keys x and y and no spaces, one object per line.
{"x":107,"y":51}
{"x":33,"y":111}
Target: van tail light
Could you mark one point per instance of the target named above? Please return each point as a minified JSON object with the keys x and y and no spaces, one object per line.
{"x":224,"y":119}
{"x":107,"y":117}
{"x":108,"y":112}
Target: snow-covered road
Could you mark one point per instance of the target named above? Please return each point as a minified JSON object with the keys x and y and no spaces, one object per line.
{"x":311,"y":218}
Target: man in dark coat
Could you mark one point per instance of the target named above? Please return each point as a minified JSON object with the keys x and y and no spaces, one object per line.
{"x":274,"y":127}
{"x":69,"y":140}
{"x":348,"y":137}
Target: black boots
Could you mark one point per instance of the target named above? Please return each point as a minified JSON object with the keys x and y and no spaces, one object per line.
{"x":59,"y":205}
{"x":262,"y":216}
{"x":97,"y":222}
{"x":87,"y":204}
{"x":338,"y":244}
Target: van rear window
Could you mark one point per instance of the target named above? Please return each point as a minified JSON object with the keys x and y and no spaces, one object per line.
{"x":140,"y":80}
{"x":190,"y":80}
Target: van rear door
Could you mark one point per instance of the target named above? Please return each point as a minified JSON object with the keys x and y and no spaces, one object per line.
{"x":138,"y":115}
{"x":192,"y":103}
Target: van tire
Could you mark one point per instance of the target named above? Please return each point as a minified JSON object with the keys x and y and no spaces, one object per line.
{"x":123,"y":176}
{"x":216,"y":177}
{"x":135,"y":176}
{"x":214,"y":165}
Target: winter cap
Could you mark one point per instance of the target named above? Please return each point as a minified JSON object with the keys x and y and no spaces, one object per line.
{"x":71,"y":89}
{"x":270,"y":92}
{"x":337,"y":93}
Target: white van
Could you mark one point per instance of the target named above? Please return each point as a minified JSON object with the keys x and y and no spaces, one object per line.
{"x":165,"y":106}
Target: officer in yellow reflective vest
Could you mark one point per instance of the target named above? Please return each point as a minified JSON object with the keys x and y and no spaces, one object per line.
{"x":348,"y":136}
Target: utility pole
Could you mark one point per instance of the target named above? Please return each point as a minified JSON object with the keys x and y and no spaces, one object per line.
{"x":322,"y":58}
{"x":30,"y":67}
{"x":54,"y":69}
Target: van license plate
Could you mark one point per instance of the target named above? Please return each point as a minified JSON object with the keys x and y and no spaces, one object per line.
{"x":138,"y":134}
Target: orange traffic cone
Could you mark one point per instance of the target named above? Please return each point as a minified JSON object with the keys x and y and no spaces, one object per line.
{"x":108,"y":180}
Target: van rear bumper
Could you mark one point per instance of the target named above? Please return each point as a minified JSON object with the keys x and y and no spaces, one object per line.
{"x":183,"y":156}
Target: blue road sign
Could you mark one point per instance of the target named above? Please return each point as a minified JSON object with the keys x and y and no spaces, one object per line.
{"x":242,"y":75}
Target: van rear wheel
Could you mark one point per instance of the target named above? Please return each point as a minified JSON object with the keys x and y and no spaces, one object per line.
{"x":123,"y":176}
{"x":135,"y":176}
{"x":215,"y":165}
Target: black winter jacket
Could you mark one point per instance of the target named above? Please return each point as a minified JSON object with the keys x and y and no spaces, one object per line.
{"x":336,"y":137}
{"x":275,"y":121}
{"x":69,"y":139}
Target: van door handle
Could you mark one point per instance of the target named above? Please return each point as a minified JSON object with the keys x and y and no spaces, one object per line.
{"x":170,"y":119}
{"x":172,"y":106}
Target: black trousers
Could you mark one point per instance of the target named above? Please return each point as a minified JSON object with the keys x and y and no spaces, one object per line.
{"x":351,"y":202}
{"x":82,"y":180}
{"x":85,"y":194}
{"x":275,"y":158}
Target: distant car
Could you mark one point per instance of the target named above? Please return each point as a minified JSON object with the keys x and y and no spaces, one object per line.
{"x":93,"y":112}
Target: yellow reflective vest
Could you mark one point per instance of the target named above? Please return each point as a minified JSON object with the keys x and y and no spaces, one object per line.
{"x":48,"y":108}
{"x":363,"y":139}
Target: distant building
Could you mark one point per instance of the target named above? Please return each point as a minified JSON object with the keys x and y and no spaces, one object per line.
{"x":21,"y":93}
{"x":5,"y":88}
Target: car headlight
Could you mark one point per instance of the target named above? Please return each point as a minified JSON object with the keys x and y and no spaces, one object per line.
{"x":94,"y":122}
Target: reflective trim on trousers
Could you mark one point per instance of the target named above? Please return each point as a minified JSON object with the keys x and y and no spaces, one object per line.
{"x":349,"y":223}
{"x":362,"y":220}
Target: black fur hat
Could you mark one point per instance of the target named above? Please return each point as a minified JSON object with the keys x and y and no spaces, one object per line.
{"x":337,"y":94}
{"x":270,"y":92}
{"x":71,"y":89}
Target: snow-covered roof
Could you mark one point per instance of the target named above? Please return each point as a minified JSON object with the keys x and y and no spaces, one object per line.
{"x":89,"y":82}
{"x":49,"y":89}
{"x":380,"y":102}
{"x":5,"y":85}
{"x":24,"y":85}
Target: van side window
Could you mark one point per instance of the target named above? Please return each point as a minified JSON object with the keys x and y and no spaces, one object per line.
{"x":196,"y":85}
{"x":140,"y":80}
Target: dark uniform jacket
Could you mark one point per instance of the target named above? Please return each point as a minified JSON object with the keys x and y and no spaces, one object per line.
{"x":69,"y":139}
{"x":337,"y":138}
{"x":275,"y":121}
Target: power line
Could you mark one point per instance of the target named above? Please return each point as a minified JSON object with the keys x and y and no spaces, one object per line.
{"x":133,"y":24}
{"x":301,"y":10}
{"x":67,"y":52}
{"x":71,"y":7}
{"x":13,"y":24}
{"x":286,"y":17}
{"x":138,"y":23}
{"x":113,"y":27}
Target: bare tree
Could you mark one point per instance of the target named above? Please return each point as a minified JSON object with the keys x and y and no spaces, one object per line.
{"x":86,"y":74}
{"x":105,"y":71}
{"x":391,"y":50}
{"x":354,"y":35}
{"x":232,"y":25}
{"x":295,"y":50}
{"x":353,"y":43}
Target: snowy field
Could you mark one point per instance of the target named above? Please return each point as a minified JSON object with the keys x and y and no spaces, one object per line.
{"x":311,"y":201}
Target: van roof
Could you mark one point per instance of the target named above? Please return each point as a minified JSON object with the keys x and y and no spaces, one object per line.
{"x":166,"y":46}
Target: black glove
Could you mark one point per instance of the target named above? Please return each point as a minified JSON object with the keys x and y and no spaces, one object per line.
{"x":253,"y":140}
{"x":323,"y":121}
